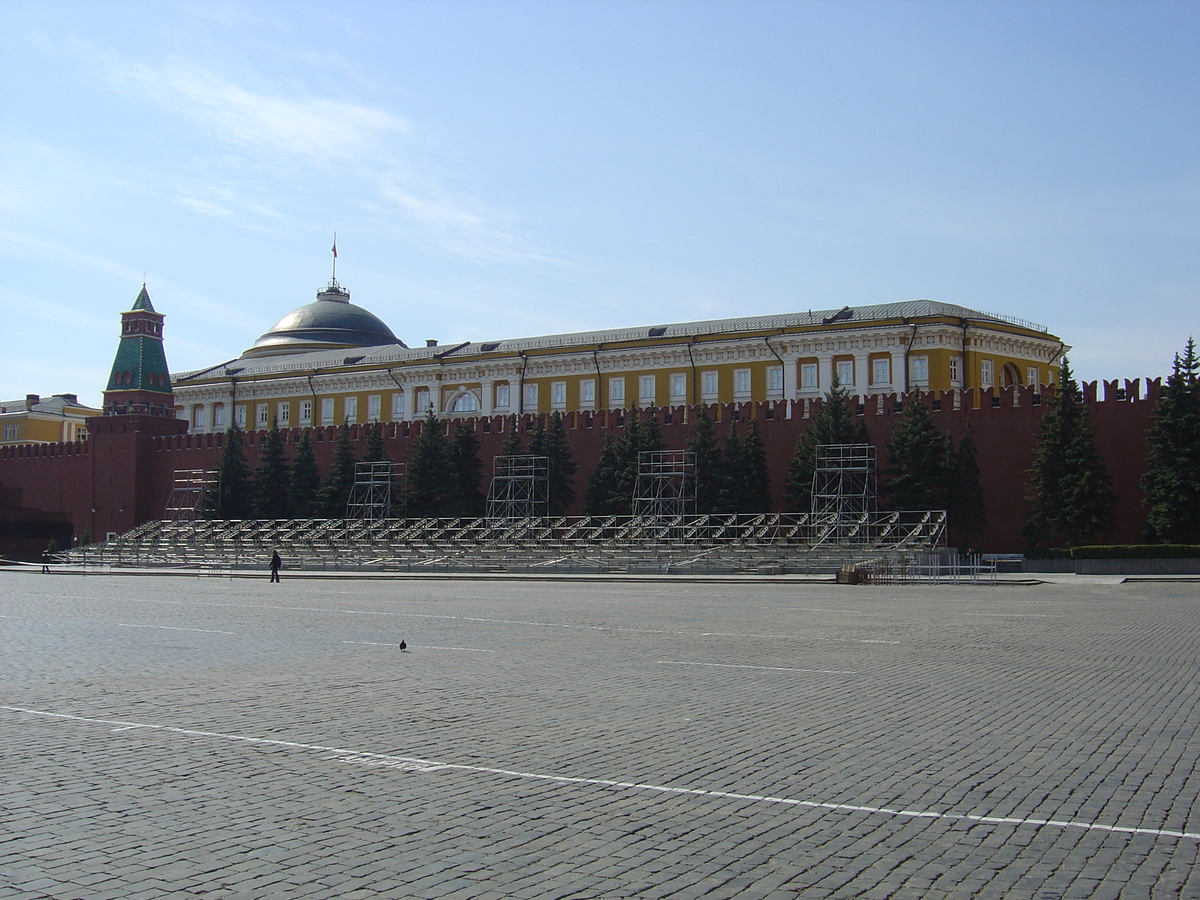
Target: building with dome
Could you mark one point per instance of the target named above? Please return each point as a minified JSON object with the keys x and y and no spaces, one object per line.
{"x":330,"y":362}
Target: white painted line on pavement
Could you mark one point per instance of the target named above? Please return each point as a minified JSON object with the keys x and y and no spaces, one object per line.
{"x":413,"y":763}
{"x":420,"y":646}
{"x":857,"y":612}
{"x":672,"y":662}
{"x":1019,"y":615}
{"x":175,"y":628}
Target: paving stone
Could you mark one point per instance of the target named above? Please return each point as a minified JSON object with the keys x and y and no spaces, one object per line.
{"x":148,"y":766}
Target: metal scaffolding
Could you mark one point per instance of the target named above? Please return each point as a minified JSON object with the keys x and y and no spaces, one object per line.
{"x":844,"y":495}
{"x":371,"y":496}
{"x":520,"y":487}
{"x":666,"y":484}
{"x":193,"y":494}
{"x":765,"y":543}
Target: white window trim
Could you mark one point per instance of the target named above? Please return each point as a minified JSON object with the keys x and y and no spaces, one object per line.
{"x":587,"y":393}
{"x":678,"y":386}
{"x":558,"y":394}
{"x":774,"y":381}
{"x":815,"y":368}
{"x":713,"y":376}
{"x":616,"y":390}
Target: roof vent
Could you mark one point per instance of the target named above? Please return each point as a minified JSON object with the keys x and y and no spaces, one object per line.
{"x":431,"y":342}
{"x":488,"y":348}
{"x":351,"y":360}
{"x":844,"y":313}
{"x":659,"y":331}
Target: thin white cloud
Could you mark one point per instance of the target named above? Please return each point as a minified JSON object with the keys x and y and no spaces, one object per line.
{"x":319,"y":129}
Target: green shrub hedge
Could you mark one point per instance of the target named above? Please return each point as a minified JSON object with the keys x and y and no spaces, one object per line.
{"x":1117,"y":551}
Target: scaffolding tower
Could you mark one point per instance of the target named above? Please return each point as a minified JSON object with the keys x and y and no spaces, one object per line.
{"x":666,"y":484}
{"x":520,"y":487}
{"x":371,"y":496}
{"x":193,"y":494}
{"x":844,"y":496}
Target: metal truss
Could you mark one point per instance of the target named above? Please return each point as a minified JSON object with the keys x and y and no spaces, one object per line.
{"x":771,"y":543}
{"x":371,"y":496}
{"x":193,"y":494}
{"x":843,"y":491}
{"x":520,"y":487}
{"x":665,"y":485}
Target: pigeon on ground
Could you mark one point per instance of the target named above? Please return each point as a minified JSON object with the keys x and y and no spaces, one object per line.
{"x":403,"y":646}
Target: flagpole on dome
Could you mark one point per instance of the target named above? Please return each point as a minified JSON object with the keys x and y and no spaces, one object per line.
{"x":333,"y":282}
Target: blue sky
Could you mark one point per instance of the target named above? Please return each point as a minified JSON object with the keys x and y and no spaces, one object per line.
{"x":507,"y":169}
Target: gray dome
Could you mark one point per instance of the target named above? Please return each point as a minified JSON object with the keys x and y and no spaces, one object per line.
{"x":330,"y":322}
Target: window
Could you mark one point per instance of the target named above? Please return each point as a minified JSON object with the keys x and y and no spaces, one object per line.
{"x":198,"y":417}
{"x":239,"y":415}
{"x":845,"y":373}
{"x":708,"y":385}
{"x":351,"y":407}
{"x":587,"y":392}
{"x":531,"y":397}
{"x":374,"y":407}
{"x":219,"y":415}
{"x":985,"y":372}
{"x":741,"y":382}
{"x":422,"y":403}
{"x":558,"y":394}
{"x":616,"y":391}
{"x":398,"y":405}
{"x":465,"y":402}
{"x":284,"y":412}
{"x":808,"y":376}
{"x":646,"y":389}
{"x":679,"y":387}
{"x":260,"y":415}
{"x":305,"y":412}
{"x":919,"y":369}
{"x":775,"y":380}
{"x":1032,"y":374}
{"x":327,"y":411}
{"x":881,"y":371}
{"x":502,"y":396}
{"x":955,"y":370}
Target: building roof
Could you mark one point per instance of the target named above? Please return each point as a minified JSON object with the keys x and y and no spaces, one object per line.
{"x":143,"y":300}
{"x":57,"y":405}
{"x":290,"y":357}
{"x":329,"y":322}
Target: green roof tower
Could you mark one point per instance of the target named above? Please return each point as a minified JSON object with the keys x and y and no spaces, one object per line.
{"x":140,"y":382}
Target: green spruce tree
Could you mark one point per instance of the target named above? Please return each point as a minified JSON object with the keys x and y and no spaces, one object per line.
{"x":708,"y":461}
{"x":234,"y":498}
{"x":756,"y":492}
{"x":551,"y":442}
{"x":918,"y":476}
{"x":966,"y":516}
{"x":336,"y":492}
{"x":602,"y":497}
{"x":465,"y":474}
{"x":305,"y":483}
{"x":1172,"y":479}
{"x":271,"y":477}
{"x":429,"y":483}
{"x":375,"y":448}
{"x":731,"y":494}
{"x":512,"y":445}
{"x":834,"y":422}
{"x":1071,"y":500}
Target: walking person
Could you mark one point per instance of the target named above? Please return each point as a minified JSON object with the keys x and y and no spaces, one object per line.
{"x":276,"y":563}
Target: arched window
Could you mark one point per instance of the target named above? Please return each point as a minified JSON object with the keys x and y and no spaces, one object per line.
{"x":1010,"y":376}
{"x":465,"y":402}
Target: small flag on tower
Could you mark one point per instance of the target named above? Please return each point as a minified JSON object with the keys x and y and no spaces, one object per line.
{"x":335,"y":248}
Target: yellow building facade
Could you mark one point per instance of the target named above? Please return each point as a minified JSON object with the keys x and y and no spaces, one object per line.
{"x":49,"y":420}
{"x":330,"y":362}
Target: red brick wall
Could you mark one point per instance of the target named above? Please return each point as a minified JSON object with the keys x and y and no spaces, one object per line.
{"x":124,"y":472}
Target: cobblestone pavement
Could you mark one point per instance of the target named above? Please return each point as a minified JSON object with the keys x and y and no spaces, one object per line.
{"x":217,"y":738}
